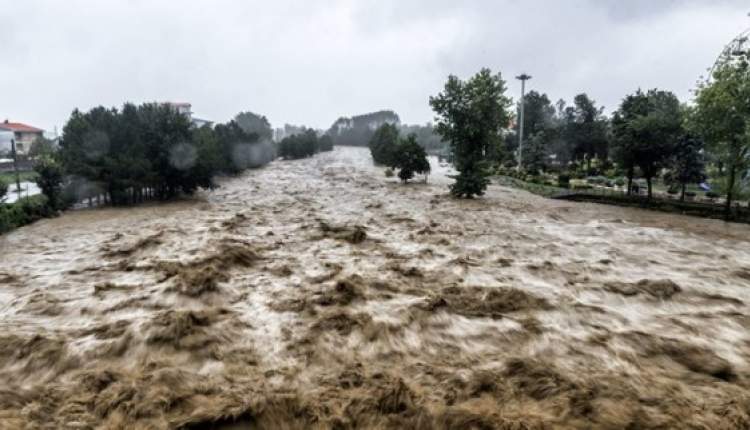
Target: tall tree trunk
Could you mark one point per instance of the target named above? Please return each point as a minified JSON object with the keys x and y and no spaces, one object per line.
{"x":682,"y":195}
{"x":648,"y":181}
{"x":730,"y":191}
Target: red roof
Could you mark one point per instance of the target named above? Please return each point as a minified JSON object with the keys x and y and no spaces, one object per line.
{"x":18,"y":127}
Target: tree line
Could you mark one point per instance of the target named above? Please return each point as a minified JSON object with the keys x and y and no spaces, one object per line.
{"x":147,"y":151}
{"x":650,"y":135}
{"x":304,"y":143}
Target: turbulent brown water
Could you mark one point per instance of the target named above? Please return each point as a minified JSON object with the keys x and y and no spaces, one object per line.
{"x":319,"y":294}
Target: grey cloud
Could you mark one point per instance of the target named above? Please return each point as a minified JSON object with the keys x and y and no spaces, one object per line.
{"x":310,"y":62}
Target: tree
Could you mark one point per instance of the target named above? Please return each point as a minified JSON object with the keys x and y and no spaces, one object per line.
{"x":410,"y":158}
{"x":647,"y":127}
{"x":299,"y":146}
{"x":252,"y":123}
{"x":471,"y":116}
{"x":49,"y":179}
{"x":687,"y":164}
{"x":540,"y":130}
{"x":585,"y":130}
{"x":40,"y":147}
{"x":325,"y":143}
{"x":383,"y":144}
{"x":721,"y":116}
{"x":3,"y":190}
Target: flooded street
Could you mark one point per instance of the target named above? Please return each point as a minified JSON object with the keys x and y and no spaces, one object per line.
{"x":320,"y":294}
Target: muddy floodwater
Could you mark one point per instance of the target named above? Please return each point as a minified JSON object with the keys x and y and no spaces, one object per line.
{"x":320,"y":294}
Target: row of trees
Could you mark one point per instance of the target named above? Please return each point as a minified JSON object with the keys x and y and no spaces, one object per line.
{"x":151,"y":150}
{"x":405,"y":154}
{"x":305,"y":144}
{"x":650,"y":134}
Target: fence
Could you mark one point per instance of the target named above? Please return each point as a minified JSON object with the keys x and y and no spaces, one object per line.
{"x":709,"y":209}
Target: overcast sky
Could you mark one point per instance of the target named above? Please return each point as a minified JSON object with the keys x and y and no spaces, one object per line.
{"x":309,"y":62}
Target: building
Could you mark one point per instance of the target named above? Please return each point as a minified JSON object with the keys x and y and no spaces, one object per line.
{"x":23,"y":134}
{"x":187,"y":110}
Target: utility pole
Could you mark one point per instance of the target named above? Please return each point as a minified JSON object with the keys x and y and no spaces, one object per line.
{"x":15,"y":166}
{"x":523,"y":78}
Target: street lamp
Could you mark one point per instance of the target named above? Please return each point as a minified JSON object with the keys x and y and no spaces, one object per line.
{"x":523,"y":78}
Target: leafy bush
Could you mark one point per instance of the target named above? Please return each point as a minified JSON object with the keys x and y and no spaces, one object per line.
{"x":711,"y":195}
{"x":24,"y":211}
{"x":673,"y":190}
{"x":620,"y":182}
{"x":389,"y":173}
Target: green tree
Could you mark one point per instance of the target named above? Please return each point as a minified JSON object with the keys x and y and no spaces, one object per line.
{"x":325,"y":143}
{"x":299,"y":146}
{"x":687,"y":165}
{"x":647,"y":127}
{"x":383,"y":143}
{"x":3,"y":190}
{"x":252,"y":123}
{"x":410,"y":158}
{"x":471,"y":116}
{"x":722,"y":115}
{"x":50,"y":179}
{"x":585,"y":130}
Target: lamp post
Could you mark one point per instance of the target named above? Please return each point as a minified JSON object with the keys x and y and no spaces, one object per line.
{"x":523,"y":78}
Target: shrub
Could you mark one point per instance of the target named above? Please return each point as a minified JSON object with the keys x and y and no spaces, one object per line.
{"x":711,"y":195}
{"x":673,"y":190}
{"x":597,"y":180}
{"x":24,"y":211}
{"x":299,"y":145}
{"x":389,"y":173}
{"x":620,"y":182}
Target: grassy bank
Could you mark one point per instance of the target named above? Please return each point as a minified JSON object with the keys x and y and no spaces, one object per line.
{"x":538,"y":189}
{"x":10,"y":177}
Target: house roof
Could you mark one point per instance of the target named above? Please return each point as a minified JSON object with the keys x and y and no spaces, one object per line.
{"x":19,"y":127}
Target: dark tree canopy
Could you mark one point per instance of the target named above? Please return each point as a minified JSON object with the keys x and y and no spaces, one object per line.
{"x":252,"y":123}
{"x":471,"y":116}
{"x":722,"y":118}
{"x":688,"y":164}
{"x":646,"y":128}
{"x":383,"y":144}
{"x":585,"y":130}
{"x":299,"y":146}
{"x":410,"y":158}
{"x":152,"y":148}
